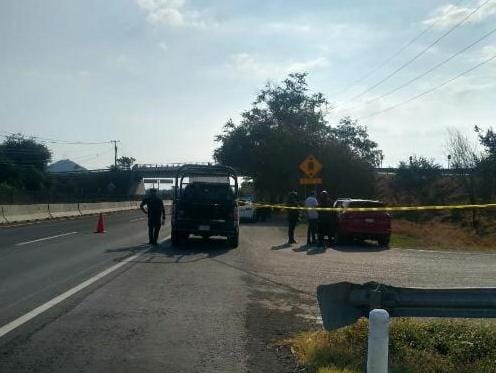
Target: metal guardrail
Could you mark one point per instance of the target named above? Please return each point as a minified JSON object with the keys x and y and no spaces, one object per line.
{"x":344,"y":303}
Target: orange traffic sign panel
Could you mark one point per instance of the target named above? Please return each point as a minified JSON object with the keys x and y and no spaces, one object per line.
{"x":310,"y":181}
{"x":310,"y":166}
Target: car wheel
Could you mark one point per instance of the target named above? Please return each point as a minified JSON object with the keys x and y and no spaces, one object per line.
{"x":383,"y":241}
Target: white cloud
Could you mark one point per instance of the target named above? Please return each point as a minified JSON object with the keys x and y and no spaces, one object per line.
{"x":171,"y":12}
{"x":449,"y":15}
{"x":289,"y":27}
{"x":487,"y":52}
{"x":254,"y":64}
{"x":163,"y":46}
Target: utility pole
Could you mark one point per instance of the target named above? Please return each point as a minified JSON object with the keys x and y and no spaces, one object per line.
{"x":115,"y":152}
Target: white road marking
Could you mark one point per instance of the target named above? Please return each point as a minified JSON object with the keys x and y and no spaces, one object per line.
{"x":137,"y":219}
{"x":45,"y":238}
{"x":450,"y":252}
{"x":53,"y":302}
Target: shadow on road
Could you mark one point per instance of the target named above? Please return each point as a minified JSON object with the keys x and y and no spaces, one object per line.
{"x":280,"y":247}
{"x":356,"y":246}
{"x":128,"y":249}
{"x":191,"y":250}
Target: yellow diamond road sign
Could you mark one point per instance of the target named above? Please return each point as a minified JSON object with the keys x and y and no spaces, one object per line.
{"x":310,"y":181}
{"x":310,"y":166}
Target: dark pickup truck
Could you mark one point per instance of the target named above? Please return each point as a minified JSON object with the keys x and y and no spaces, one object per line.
{"x":205,"y":203}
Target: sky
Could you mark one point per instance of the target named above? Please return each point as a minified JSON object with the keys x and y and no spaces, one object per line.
{"x":163,"y":76}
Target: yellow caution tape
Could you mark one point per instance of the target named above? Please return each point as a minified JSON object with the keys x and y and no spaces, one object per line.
{"x":393,"y":208}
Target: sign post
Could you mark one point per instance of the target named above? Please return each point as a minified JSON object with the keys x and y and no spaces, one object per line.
{"x":311,"y":168}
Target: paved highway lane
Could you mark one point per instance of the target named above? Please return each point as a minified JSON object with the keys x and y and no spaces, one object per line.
{"x":204,"y":307}
{"x":40,"y":261}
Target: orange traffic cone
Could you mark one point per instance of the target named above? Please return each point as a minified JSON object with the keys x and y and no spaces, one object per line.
{"x":100,"y":226}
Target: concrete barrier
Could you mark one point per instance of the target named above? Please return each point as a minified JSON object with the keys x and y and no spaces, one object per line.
{"x":62,"y":210}
{"x":17,"y":213}
{"x":20,"y":213}
{"x":105,"y":207}
{"x":2,"y":218}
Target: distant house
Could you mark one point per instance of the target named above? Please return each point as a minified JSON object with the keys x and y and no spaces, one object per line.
{"x":65,"y":165}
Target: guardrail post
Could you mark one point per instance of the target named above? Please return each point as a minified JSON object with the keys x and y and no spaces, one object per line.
{"x":378,"y":343}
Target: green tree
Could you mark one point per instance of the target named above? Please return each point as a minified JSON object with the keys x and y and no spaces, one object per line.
{"x":125,"y":163}
{"x":465,"y":161}
{"x":486,"y":166}
{"x":415,"y":177}
{"x":26,"y":152}
{"x":487,"y":139}
{"x":23,"y":163}
{"x":285,"y":124}
{"x":356,"y":137}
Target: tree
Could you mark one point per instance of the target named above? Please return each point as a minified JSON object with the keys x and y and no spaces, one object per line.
{"x":125,"y":163}
{"x":285,"y":124}
{"x":26,"y":152}
{"x":488,"y":140}
{"x":486,"y":168}
{"x":464,"y":161}
{"x":415,"y":178}
{"x":23,"y":163}
{"x":356,"y":137}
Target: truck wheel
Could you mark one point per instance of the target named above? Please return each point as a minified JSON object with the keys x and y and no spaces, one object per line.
{"x":233,"y":241}
{"x":175,"y":239}
{"x":340,"y":238}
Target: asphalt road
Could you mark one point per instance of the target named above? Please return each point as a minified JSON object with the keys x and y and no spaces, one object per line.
{"x":202,"y":308}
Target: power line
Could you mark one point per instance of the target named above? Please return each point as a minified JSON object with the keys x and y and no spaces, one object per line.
{"x":89,"y":156}
{"x":56,"y":141}
{"x":429,"y":90}
{"x":392,"y":56}
{"x":418,"y":55}
{"x":428,"y":71}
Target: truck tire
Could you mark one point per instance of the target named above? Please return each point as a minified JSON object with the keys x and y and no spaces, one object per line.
{"x":233,"y":241}
{"x":175,"y":239}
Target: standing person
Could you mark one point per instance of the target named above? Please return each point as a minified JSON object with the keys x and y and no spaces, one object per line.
{"x":325,"y":218}
{"x":312,"y":216}
{"x":156,"y":215}
{"x":292,"y":216}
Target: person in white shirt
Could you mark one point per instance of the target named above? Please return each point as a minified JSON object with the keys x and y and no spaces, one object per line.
{"x":313,"y":218}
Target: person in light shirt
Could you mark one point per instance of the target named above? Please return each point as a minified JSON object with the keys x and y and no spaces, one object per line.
{"x":313,"y":218}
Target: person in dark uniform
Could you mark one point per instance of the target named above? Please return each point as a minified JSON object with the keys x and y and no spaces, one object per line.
{"x":293,"y":216}
{"x":156,"y":215}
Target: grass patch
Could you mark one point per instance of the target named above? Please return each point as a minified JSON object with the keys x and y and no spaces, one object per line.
{"x":415,"y":346}
{"x":433,"y":234}
{"x":405,"y":241}
{"x":440,"y":235}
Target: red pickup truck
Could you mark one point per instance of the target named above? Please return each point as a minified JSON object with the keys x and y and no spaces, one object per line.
{"x":363,"y":225}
